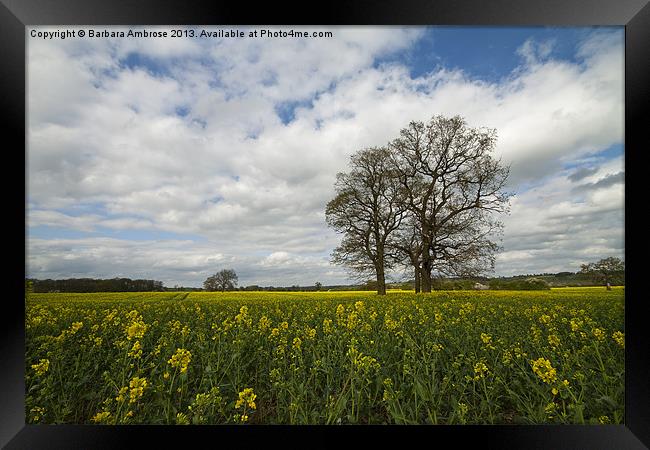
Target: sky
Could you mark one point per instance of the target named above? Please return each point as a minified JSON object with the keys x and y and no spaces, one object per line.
{"x":174,"y":158}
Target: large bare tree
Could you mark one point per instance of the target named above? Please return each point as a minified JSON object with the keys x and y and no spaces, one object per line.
{"x":367,"y":210}
{"x":452,"y":187}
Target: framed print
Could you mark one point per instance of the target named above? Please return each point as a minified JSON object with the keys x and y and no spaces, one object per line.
{"x":390,"y":218}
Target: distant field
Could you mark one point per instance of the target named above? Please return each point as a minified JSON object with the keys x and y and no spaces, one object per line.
{"x":326,"y":357}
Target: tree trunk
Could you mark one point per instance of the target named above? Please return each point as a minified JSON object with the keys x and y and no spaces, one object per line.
{"x":425,"y":277}
{"x":417,"y":279}
{"x":425,"y":271}
{"x":381,"y":281}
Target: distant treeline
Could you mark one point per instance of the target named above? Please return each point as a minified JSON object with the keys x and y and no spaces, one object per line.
{"x":518,"y":282}
{"x":538,"y":281}
{"x":94,"y":285}
{"x":294,"y":288}
{"x":564,"y":279}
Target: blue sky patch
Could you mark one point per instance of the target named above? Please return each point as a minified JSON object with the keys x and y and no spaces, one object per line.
{"x":286,"y":111}
{"x":611,"y":152}
{"x":485,"y":53}
{"x":155,"y":67}
{"x":182,"y":111}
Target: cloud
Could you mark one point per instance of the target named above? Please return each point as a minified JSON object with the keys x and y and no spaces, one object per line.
{"x":534,"y":52}
{"x":617,"y":178}
{"x":182,"y":262}
{"x":582,"y":173}
{"x":59,"y":220}
{"x":238,"y":141}
{"x":550,"y":231}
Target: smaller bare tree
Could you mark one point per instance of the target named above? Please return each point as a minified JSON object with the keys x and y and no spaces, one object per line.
{"x":367,"y":210}
{"x":603,"y":270}
{"x":224,"y":280}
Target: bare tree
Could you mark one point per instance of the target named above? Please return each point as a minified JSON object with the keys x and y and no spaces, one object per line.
{"x":451,"y":186}
{"x":603,"y":270}
{"x":224,"y":280}
{"x":366,"y":210}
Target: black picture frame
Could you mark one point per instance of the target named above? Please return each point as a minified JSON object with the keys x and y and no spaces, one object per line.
{"x":15,"y":15}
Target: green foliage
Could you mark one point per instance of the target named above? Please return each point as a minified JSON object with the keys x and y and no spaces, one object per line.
{"x":527,"y":284}
{"x":439,"y":284}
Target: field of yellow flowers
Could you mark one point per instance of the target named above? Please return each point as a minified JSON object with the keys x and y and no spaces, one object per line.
{"x":458,"y":357}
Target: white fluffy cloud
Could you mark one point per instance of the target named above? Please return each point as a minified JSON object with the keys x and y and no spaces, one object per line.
{"x":562,"y":223}
{"x":192,"y":141}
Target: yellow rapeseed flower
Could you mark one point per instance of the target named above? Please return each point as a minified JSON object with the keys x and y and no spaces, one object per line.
{"x":619,"y":338}
{"x":352,"y":321}
{"x":264,"y":323}
{"x":575,"y":324}
{"x":388,"y":390}
{"x":137,"y":386}
{"x":389,"y":323}
{"x":598,"y":334}
{"x":42,"y":367}
{"x":182,"y":419}
{"x":136,"y":350}
{"x":340,"y":314}
{"x":246,"y":398}
{"x":544,"y":370}
{"x":136,"y":330}
{"x":181,"y":359}
{"x":121,"y":393}
{"x":243,"y":318}
{"x":553,"y":340}
{"x":550,"y":409}
{"x":480,"y":369}
{"x":37,"y":413}
{"x":101,"y":417}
